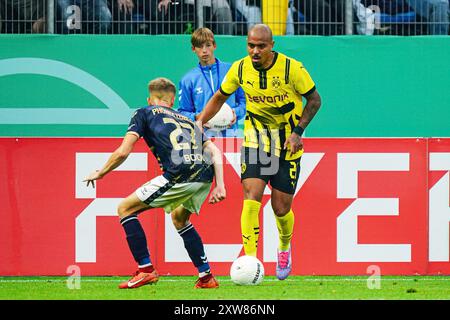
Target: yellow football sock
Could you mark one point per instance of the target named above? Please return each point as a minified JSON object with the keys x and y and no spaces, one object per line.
{"x":250,"y":226}
{"x":285,"y":227}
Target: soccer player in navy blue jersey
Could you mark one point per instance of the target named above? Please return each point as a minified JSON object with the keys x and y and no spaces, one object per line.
{"x":189,"y":162}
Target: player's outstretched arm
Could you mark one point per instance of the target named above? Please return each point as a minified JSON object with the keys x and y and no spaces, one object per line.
{"x":115,"y":160}
{"x":212,"y":107}
{"x":219,"y":192}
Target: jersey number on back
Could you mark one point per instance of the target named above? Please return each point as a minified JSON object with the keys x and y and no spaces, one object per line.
{"x":178,"y":131}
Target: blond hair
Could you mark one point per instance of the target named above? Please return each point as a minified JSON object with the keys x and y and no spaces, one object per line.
{"x":161,"y":87}
{"x":201,"y":36}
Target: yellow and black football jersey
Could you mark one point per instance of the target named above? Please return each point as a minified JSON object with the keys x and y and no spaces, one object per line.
{"x":273,"y":100}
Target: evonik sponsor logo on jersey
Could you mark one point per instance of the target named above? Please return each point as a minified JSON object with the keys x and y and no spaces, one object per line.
{"x":270,"y":99}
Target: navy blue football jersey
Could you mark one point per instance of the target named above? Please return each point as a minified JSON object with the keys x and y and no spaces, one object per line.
{"x":176,"y":142}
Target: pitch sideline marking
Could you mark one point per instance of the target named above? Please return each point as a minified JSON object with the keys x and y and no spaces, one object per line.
{"x":225,"y":280}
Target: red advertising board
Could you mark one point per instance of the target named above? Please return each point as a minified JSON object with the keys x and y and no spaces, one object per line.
{"x":359,"y":203}
{"x":438,"y":205}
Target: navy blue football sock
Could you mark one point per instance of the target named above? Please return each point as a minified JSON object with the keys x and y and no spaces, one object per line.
{"x":194,"y":246}
{"x":136,"y":239}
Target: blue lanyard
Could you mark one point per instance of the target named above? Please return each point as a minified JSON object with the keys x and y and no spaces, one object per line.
{"x":206,"y":78}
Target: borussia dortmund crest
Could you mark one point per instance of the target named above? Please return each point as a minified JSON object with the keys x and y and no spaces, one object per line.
{"x":276,"y":83}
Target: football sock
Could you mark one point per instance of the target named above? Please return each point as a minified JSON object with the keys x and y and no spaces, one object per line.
{"x":205,"y":278}
{"x":136,"y":240}
{"x":250,"y":226}
{"x":147,"y":269}
{"x":285,"y":227}
{"x":194,"y":246}
{"x":203,"y":274}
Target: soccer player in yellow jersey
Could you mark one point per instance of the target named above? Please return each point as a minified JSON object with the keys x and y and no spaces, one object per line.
{"x":274,"y":85}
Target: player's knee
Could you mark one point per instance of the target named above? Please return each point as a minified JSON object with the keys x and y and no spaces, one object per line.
{"x":179,"y":222}
{"x":251,"y":194}
{"x":281,"y":210}
{"x":123,"y":210}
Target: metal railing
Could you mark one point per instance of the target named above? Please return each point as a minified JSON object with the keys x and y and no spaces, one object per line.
{"x":233,"y":17}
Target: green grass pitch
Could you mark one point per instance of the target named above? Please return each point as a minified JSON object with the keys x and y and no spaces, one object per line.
{"x":181,"y":288}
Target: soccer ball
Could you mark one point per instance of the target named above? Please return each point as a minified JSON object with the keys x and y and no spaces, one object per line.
{"x":222,"y":118}
{"x":247,"y":271}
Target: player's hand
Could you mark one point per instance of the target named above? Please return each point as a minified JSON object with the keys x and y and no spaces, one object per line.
{"x":234,"y":119}
{"x":199,"y":125}
{"x":294,"y":143}
{"x":125,"y":5}
{"x":218,"y":194}
{"x":202,"y":125}
{"x":92,"y":177}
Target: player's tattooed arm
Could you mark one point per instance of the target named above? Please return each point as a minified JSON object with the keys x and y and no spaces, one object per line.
{"x":312,"y":106}
{"x":294,"y":142}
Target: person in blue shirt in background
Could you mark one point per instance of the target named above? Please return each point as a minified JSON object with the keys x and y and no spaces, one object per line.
{"x":200,"y":84}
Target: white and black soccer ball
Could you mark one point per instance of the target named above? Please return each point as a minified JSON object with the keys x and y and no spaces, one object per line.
{"x":222,"y":118}
{"x":247,"y":271}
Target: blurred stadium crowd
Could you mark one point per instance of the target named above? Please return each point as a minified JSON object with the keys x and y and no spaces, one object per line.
{"x":230,"y":17}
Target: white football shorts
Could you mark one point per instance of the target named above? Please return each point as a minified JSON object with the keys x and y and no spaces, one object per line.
{"x":159,"y":193}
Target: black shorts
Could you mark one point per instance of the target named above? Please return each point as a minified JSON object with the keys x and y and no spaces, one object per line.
{"x":282,"y":174}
